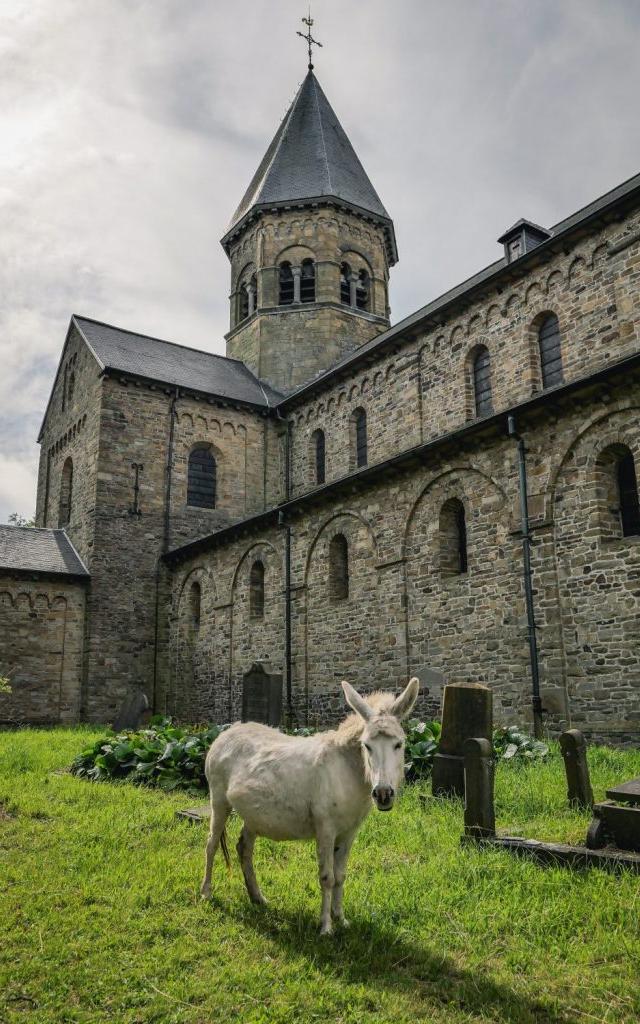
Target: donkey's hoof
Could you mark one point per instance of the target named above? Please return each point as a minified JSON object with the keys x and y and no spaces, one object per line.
{"x":326,"y":929}
{"x":259,"y":901}
{"x":205,"y":892}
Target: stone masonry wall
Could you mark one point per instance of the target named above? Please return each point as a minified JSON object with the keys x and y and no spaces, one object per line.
{"x":423,"y":388}
{"x":41,"y":631}
{"x":407,"y":612}
{"x":126,"y":579}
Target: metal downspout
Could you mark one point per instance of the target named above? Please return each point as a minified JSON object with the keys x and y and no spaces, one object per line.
{"x":536,"y":701}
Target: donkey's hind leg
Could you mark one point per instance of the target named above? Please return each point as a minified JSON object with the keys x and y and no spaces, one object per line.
{"x":219,"y":813}
{"x":244,"y":846}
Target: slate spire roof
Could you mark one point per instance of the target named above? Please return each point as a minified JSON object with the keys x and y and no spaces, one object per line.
{"x":311,"y":157}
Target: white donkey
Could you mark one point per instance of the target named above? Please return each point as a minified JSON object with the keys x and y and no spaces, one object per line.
{"x":315,"y":787}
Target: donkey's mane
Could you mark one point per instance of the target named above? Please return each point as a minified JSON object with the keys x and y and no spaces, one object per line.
{"x":350,"y":729}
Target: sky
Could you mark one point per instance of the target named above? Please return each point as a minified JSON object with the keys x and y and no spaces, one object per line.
{"x":131,"y":129}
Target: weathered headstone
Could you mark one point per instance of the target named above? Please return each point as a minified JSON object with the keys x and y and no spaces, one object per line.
{"x":479,"y":811}
{"x":262,"y":696}
{"x":467,"y":712}
{"x":574,"y":751}
{"x":135,"y":711}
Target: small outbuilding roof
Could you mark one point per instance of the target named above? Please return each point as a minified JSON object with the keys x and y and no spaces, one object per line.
{"x":154,"y":359}
{"x":27,"y":549}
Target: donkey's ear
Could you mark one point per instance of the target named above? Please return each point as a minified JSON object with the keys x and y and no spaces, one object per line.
{"x":403,"y":704}
{"x":356,"y":702}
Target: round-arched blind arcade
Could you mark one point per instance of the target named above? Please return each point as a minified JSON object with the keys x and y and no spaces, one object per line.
{"x":201,"y":482}
{"x":550,"y":352}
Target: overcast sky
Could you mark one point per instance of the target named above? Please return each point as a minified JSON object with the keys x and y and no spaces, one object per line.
{"x":131,"y":128}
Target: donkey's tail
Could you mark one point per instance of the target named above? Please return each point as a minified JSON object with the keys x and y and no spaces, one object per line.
{"x":225,"y":849}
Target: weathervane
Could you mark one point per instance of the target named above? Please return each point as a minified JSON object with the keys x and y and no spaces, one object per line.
{"x":309,"y":38}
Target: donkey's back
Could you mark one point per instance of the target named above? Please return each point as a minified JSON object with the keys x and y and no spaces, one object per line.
{"x":270,"y":779}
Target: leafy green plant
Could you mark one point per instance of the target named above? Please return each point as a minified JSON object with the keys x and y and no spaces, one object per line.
{"x":421,"y":746}
{"x":5,"y":684}
{"x":511,"y":743}
{"x":163,"y":755}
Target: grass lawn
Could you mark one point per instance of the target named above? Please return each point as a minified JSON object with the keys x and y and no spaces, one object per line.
{"x":101,"y":918}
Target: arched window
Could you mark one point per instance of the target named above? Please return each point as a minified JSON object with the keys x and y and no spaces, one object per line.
{"x":359,"y":418}
{"x":482,"y":383}
{"x":195,"y":596}
{"x":201,"y":479}
{"x":550,"y":351}
{"x":345,"y":284}
{"x":308,"y":282}
{"x":286,"y":284}
{"x":338,"y":568}
{"x":453,"y":537}
{"x":71,"y":385}
{"x":363,"y":289}
{"x":256,"y":591}
{"x":628,"y":495}
{"x":66,"y":493}
{"x":318,"y":445}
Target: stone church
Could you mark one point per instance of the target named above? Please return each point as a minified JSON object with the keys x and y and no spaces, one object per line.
{"x":338,"y":497}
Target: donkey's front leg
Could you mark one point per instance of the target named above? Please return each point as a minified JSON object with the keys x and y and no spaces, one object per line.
{"x":324,"y":845}
{"x":340,"y":856}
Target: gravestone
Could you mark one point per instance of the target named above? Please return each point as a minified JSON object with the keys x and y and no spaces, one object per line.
{"x":262,"y":696}
{"x":467,"y":712}
{"x":574,"y":751}
{"x":479,"y":811}
{"x":135,"y":711}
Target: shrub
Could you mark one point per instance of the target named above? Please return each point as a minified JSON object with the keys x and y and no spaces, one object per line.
{"x":171,"y":757}
{"x":162,"y":755}
{"x":5,"y":684}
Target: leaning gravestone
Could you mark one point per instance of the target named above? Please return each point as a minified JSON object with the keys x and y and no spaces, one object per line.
{"x":134,"y":712}
{"x":467,"y":713}
{"x":262,"y":696}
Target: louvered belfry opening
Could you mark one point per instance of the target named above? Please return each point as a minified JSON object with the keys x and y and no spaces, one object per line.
{"x":628,"y":494}
{"x":286,"y":284}
{"x":482,"y":383}
{"x":308,"y":282}
{"x":362,"y":290}
{"x":256,"y":591}
{"x":339,"y":568}
{"x":201,"y":482}
{"x":345,"y":284}
{"x":319,"y":455}
{"x":244,"y":303}
{"x":360,"y":424}
{"x":550,"y":351}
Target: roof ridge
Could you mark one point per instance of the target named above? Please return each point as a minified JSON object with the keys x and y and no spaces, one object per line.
{"x":319,"y":116}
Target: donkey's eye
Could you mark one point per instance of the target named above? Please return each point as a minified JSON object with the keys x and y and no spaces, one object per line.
{"x":398,"y":746}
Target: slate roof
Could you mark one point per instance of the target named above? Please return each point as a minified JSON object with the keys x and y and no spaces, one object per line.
{"x":23,"y":549}
{"x":164,"y":361}
{"x":311,"y":157}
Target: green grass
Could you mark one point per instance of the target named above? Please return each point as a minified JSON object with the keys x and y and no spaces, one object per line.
{"x":101,"y":919}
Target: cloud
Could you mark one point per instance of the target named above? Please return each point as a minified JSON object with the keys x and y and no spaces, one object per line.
{"x":131,"y":131}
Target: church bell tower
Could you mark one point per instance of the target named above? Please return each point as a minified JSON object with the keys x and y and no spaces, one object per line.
{"x":310,"y":247}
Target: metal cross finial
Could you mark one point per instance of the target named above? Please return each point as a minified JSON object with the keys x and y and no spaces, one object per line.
{"x":310,"y":40}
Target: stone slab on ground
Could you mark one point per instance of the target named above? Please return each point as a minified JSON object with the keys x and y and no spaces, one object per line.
{"x":626,"y":792}
{"x":200,"y":813}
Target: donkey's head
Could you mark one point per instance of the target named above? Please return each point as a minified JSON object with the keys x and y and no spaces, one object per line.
{"x":382,"y":739}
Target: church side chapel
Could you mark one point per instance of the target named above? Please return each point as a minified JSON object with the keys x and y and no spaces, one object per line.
{"x":340,"y":497}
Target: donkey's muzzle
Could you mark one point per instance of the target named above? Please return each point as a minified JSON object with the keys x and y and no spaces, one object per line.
{"x":384,"y":797}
